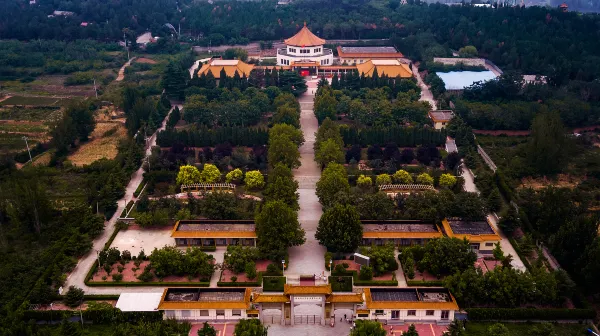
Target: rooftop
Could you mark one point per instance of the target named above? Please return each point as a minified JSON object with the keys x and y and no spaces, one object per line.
{"x":460,"y":226}
{"x":409,"y":298}
{"x":205,"y":295}
{"x":441,"y":115}
{"x":215,"y":225}
{"x":138,"y":301}
{"x":390,"y":68}
{"x":397,"y":226}
{"x":305,"y":38}
{"x":297,"y":289}
{"x":370,"y":50}
{"x":458,"y":80}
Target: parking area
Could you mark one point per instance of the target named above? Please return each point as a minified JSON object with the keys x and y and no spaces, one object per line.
{"x":136,"y":239}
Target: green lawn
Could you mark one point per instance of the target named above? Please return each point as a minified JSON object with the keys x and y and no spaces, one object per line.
{"x":524,"y":329}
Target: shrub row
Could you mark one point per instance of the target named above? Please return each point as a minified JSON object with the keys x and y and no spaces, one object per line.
{"x":491,"y":314}
{"x":273,"y":283}
{"x":401,"y":136}
{"x":358,"y":282}
{"x":141,"y":283}
{"x":139,"y":189}
{"x":94,"y":316}
{"x":345,"y":285}
{"x":425,"y":283}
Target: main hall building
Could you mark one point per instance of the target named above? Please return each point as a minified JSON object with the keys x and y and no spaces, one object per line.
{"x":304,"y":47}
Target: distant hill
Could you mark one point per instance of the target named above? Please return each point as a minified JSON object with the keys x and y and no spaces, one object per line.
{"x":579,"y":5}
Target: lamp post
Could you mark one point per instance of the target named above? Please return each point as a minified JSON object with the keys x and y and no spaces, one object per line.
{"x":51,"y":310}
{"x":27,"y":144}
{"x":283,"y":266}
{"x":330,"y":264}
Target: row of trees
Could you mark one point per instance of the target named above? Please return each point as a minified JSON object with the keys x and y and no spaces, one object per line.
{"x":401,"y":136}
{"x":371,"y":107}
{"x":203,"y":136}
{"x":277,"y":226}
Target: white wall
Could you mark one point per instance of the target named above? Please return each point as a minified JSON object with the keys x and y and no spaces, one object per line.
{"x":420,"y":315}
{"x":212,"y":315}
{"x":321,"y":58}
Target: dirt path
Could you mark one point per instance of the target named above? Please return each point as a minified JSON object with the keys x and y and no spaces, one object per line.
{"x":308,"y":258}
{"x":121,"y":75}
{"x":426,"y":94}
{"x":77,"y":276}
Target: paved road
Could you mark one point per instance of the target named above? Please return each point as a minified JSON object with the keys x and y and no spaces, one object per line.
{"x":121,"y":75}
{"x":426,"y":94}
{"x":77,"y":276}
{"x":309,"y":257}
{"x":504,"y":243}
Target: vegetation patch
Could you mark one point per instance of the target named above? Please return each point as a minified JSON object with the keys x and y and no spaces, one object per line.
{"x":103,"y":144}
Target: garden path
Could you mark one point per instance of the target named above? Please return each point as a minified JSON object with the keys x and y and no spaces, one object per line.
{"x":309,"y":257}
{"x":426,"y":94}
{"x":121,"y":75}
{"x":77,"y":276}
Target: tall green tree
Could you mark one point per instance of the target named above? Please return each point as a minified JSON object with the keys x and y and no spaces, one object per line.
{"x":340,"y":229}
{"x":445,"y":256}
{"x":334,"y":180}
{"x":282,"y":186}
{"x":277,"y":228}
{"x":368,"y":328}
{"x":329,"y":152}
{"x":207,"y":330}
{"x":174,"y":81}
{"x":548,"y":146}
{"x":250,"y":327}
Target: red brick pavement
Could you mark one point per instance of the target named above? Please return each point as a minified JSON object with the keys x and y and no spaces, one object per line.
{"x":422,"y":329}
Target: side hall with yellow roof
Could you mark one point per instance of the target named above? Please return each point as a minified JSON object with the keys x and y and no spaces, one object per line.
{"x":212,"y":232}
{"x":480,"y":233}
{"x":400,"y":233}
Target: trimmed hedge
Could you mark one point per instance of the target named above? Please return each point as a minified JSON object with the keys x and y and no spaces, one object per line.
{"x":492,"y":314}
{"x":207,"y":248}
{"x":141,"y":284}
{"x":341,"y":286}
{"x":112,"y":237}
{"x":358,"y":282}
{"x":424,"y":283}
{"x":273,"y":283}
{"x":92,"y":297}
{"x":110,"y":316}
{"x":139,"y":189}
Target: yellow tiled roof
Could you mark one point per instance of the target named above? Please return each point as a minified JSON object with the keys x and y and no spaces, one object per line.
{"x":451,"y":305}
{"x":305,"y":38}
{"x":390,"y":70}
{"x":474,"y":238}
{"x":216,"y":66}
{"x":345,"y":298}
{"x":413,"y":235}
{"x":213,"y":234}
{"x":174,"y":305}
{"x":295,"y":289}
{"x":270,"y":298}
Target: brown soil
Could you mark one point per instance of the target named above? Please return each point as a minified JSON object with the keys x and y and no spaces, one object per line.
{"x":561,"y":181}
{"x":100,"y":146}
{"x":145,"y":60}
{"x":261,"y":266}
{"x":129,"y":275}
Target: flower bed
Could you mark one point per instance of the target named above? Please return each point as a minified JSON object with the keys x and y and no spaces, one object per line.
{"x":241,"y":278}
{"x":101,"y":278}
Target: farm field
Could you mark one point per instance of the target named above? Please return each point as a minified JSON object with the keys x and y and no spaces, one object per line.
{"x":103,"y":144}
{"x":35,"y":101}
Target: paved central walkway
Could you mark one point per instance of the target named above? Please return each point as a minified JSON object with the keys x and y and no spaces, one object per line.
{"x":426,"y":94}
{"x":308,"y":258}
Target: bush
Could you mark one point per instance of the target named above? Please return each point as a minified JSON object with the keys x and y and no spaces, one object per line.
{"x":485,"y":314}
{"x":273,"y":269}
{"x":251,"y":270}
{"x":235,"y":175}
{"x":254,"y":179}
{"x":364,"y":181}
{"x":74,"y":296}
{"x":120,"y":269}
{"x":402,"y":177}
{"x":328,"y":258}
{"x":146,"y":276}
{"x":233,"y":278}
{"x":341,"y":283}
{"x":425,"y":178}
{"x":273,"y":283}
{"x":117,"y":277}
{"x":366,"y":273}
{"x":383,"y":179}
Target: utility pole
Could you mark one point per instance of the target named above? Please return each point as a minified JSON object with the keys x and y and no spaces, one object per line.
{"x":95,"y":89}
{"x":27,"y":144}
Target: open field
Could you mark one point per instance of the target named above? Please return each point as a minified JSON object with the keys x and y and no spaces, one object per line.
{"x":103,"y":143}
{"x":29,"y":114}
{"x":35,"y":101}
{"x":13,"y":142}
